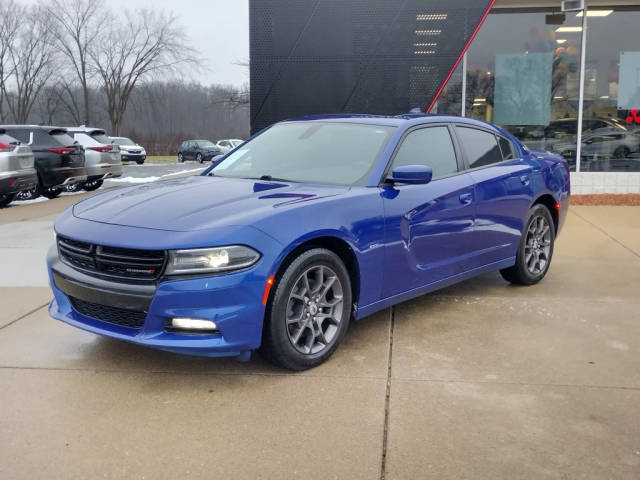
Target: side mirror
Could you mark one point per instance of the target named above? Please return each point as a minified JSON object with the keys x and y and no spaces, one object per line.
{"x":412,"y":174}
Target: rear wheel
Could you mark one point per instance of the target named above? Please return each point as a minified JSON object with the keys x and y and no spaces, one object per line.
{"x":6,"y":199}
{"x":199,"y":158}
{"x":621,"y":152}
{"x":536,"y":249}
{"x":74,"y":187}
{"x":93,"y":185}
{"x":180,"y":158}
{"x":30,"y":194}
{"x":309,"y":312}
{"x":50,"y":192}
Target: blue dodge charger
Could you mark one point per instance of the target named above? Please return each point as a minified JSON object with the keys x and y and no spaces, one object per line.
{"x":309,"y":225}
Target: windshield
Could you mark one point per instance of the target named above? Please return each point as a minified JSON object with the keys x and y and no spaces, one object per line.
{"x":319,"y":152}
{"x":122,"y":141}
{"x":205,"y":143}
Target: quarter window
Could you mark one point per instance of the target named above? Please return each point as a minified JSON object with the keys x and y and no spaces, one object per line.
{"x":481,"y":147}
{"x":430,"y":146}
{"x":508,"y":152}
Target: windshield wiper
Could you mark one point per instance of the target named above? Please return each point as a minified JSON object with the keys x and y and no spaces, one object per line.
{"x":269,"y":178}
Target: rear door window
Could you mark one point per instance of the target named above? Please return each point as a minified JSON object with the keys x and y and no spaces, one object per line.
{"x":480,"y":147}
{"x":431,"y":146}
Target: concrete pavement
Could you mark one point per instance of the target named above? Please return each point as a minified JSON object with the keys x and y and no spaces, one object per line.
{"x":481,"y":381}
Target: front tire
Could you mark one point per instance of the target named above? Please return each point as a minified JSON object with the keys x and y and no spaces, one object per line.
{"x":536,"y":249}
{"x":199,"y":158}
{"x":309,"y":311}
{"x":180,"y":158}
{"x":140,"y":162}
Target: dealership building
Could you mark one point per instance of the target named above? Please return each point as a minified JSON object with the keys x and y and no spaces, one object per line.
{"x":543,"y":71}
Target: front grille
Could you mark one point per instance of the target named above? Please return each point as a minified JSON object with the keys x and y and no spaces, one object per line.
{"x":113,"y":315}
{"x":123,"y":263}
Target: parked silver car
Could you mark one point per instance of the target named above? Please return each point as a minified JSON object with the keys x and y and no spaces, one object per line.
{"x":102,"y":156}
{"x":131,"y":151}
{"x":17,"y":172}
{"x":229,"y":144}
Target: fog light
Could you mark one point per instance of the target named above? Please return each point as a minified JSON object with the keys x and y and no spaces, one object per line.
{"x":193,"y":324}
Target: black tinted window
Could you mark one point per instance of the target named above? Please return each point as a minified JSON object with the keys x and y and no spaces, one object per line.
{"x":21,"y":135}
{"x":508,"y":152}
{"x":481,"y":147}
{"x":431,"y":147}
{"x":63,"y":139}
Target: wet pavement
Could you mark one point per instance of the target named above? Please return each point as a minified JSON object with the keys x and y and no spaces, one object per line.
{"x":478,"y":381}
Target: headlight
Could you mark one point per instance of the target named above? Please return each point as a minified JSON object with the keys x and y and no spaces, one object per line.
{"x":211,"y":260}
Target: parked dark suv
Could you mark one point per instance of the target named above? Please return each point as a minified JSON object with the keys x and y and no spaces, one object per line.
{"x":199,"y":150}
{"x":59,"y":159}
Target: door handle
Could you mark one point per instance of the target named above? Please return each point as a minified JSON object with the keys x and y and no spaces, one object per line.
{"x":525,"y":180}
{"x":466,"y":198}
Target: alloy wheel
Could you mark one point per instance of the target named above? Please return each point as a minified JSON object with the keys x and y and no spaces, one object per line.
{"x":537,"y":250}
{"x":314,"y":310}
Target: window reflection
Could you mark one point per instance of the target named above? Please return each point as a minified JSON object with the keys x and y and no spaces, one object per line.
{"x":611,"y":131}
{"x":527,"y":83}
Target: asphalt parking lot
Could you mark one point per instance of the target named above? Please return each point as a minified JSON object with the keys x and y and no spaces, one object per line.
{"x":478,"y":381}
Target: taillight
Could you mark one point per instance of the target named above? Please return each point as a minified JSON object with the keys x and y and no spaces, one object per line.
{"x":63,"y":150}
{"x":106,"y":148}
{"x":6,"y":148}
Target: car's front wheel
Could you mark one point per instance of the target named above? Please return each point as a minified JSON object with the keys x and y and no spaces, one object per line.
{"x":536,"y":249}
{"x":199,"y":158}
{"x":180,"y":158}
{"x":309,"y":311}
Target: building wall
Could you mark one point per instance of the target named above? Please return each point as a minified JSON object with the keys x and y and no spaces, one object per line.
{"x":353,"y":56}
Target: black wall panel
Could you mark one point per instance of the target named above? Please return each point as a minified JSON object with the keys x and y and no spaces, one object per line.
{"x":353,"y":56}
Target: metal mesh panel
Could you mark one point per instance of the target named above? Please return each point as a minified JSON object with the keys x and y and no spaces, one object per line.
{"x":353,"y":56}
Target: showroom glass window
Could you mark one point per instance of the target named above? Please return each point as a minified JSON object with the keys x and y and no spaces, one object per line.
{"x":611,"y":122}
{"x":523,"y":71}
{"x":526,"y":78}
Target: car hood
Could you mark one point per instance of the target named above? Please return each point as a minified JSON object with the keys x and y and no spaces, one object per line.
{"x":198,"y":203}
{"x":128,"y":148}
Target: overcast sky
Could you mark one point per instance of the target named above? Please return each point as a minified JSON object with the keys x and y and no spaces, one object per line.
{"x":218,"y":29}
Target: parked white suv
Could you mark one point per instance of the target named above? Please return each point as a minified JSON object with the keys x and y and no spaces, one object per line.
{"x":102,"y":156}
{"x":17,"y":172}
{"x":131,"y":151}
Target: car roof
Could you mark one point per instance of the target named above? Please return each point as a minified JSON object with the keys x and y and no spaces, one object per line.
{"x":46,"y":128}
{"x":394,"y":121}
{"x":89,"y":130}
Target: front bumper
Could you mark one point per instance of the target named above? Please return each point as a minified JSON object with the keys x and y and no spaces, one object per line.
{"x":18,"y":180}
{"x":232,"y":301}
{"x":132,"y":157}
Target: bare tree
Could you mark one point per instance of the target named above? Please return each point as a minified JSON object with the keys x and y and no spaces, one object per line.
{"x":10,"y":14}
{"x":31,"y":62}
{"x":144,"y":45}
{"x":78,"y":24}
